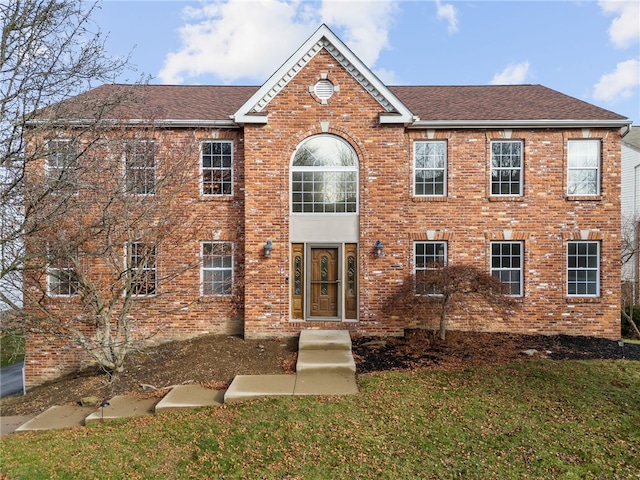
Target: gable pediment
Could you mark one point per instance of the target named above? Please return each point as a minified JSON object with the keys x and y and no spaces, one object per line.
{"x":254,"y":109}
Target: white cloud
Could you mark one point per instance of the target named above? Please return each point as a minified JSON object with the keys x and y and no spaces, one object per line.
{"x":624,"y":30}
{"x":448,"y":13}
{"x":623,"y":83}
{"x":237,"y":39}
{"x":513,"y":74}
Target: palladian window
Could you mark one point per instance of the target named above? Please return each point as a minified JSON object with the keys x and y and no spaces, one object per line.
{"x":324,"y":177}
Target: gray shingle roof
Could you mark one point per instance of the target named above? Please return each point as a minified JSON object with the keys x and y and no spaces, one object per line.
{"x":430,"y":103}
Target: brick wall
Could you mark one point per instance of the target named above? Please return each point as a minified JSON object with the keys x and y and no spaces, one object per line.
{"x":468,"y":219}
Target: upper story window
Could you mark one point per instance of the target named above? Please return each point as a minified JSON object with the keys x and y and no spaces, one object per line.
{"x":428,"y":256}
{"x":216,"y":160}
{"x":62,"y":279}
{"x":62,"y":165}
{"x":140,"y":167}
{"x":583,"y":167}
{"x":142,"y":269}
{"x":507,"y":265}
{"x":324,"y":176}
{"x":430,"y":168}
{"x":217,"y":268}
{"x":583,"y":269}
{"x":506,"y":168}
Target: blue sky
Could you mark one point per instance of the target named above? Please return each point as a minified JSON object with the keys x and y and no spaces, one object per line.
{"x":586,"y":49}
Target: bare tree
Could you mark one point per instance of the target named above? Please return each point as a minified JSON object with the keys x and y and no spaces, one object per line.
{"x":441,"y":288}
{"x":49,"y":51}
{"x":93,"y":269}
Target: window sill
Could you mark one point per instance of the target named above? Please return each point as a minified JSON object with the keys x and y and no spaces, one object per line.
{"x":429,"y":199}
{"x":506,"y":198}
{"x":216,"y":198}
{"x":583,"y":198}
{"x":583,"y":299}
{"x":215,"y":298}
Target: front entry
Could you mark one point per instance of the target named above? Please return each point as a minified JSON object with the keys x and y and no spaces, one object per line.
{"x":324,"y":282}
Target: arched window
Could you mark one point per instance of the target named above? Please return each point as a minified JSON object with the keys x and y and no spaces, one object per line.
{"x":324,"y":176}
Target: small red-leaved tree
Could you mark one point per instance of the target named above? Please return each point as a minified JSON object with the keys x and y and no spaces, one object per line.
{"x":444,"y":288}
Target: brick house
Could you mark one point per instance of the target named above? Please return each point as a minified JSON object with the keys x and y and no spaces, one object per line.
{"x":322,"y":191}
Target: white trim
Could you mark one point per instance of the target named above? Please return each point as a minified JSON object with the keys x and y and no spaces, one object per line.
{"x":323,"y":38}
{"x":519,"y":123}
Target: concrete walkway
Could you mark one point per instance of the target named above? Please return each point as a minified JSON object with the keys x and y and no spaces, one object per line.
{"x":325,"y":367}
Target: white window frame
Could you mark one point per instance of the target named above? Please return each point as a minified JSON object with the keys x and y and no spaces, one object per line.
{"x":431,"y":169}
{"x":501,"y":269}
{"x":66,"y":164}
{"x":317,"y":208}
{"x":54,"y":278}
{"x":509,"y":168}
{"x":133,"y":150}
{"x":134,"y":279}
{"x":577,"y":156}
{"x":221,"y":169}
{"x":580,"y":263}
{"x":425,"y":267}
{"x":213,"y":270}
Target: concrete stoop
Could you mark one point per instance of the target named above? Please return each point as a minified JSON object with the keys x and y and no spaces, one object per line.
{"x":325,"y":367}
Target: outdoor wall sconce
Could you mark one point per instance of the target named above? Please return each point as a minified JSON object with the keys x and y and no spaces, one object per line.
{"x":378,"y":248}
{"x":267,"y":249}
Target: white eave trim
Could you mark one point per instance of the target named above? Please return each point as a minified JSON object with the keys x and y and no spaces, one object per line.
{"x":185,"y":123}
{"x":519,"y":123}
{"x":323,"y":37}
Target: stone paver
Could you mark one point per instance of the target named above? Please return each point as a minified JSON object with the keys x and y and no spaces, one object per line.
{"x":325,"y":384}
{"x":247,"y":387}
{"x":63,"y":416}
{"x":123,"y":406}
{"x":326,"y":361}
{"x":324,"y":340}
{"x":190,"y":396}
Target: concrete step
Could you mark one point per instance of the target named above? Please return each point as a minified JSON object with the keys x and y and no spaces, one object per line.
{"x":190,"y":396}
{"x":123,"y":406}
{"x":325,"y":361}
{"x":248,"y":387}
{"x":324,"y":340}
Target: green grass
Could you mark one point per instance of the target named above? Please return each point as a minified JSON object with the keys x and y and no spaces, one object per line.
{"x":530,"y":420}
{"x":11,"y":348}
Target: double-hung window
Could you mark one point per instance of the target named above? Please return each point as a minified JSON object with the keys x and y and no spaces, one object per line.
{"x":62,"y":278}
{"x":583,"y":167}
{"x":142,"y":269}
{"x":217,"y":268}
{"x":507,"y":265}
{"x":506,"y":168}
{"x":427,"y":258}
{"x":62,"y":165}
{"x":216,"y":158}
{"x":583,"y":269}
{"x":140,"y":167}
{"x":430,"y":168}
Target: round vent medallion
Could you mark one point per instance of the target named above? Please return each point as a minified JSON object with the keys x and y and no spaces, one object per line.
{"x":323,"y":89}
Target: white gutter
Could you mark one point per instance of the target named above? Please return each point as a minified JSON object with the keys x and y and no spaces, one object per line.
{"x":189,"y":123}
{"x":519,"y":123}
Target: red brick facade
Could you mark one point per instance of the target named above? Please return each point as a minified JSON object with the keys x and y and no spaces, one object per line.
{"x":467,"y":218}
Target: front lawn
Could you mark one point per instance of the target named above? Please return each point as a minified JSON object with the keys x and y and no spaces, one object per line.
{"x":542,"y":420}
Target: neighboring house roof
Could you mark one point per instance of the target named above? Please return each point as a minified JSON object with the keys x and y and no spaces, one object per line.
{"x":632,"y":139}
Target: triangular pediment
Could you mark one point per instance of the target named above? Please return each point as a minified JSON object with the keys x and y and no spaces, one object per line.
{"x":254,"y":109}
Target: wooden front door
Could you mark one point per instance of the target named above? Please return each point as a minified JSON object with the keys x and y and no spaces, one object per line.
{"x":324,"y":282}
